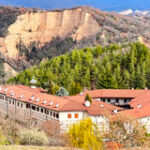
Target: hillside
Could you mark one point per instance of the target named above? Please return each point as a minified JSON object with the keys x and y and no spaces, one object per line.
{"x":27,"y":36}
{"x":110,"y":67}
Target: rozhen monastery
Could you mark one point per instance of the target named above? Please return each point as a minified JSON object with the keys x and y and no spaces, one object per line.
{"x":32,"y":103}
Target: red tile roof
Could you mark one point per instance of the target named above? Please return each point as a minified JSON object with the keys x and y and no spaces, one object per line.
{"x":140,"y":97}
{"x":70,"y":103}
{"x":143,"y":100}
{"x":76,"y":103}
{"x":138,"y":113}
{"x":28,"y":92}
{"x":96,"y":108}
{"x":115,"y":93}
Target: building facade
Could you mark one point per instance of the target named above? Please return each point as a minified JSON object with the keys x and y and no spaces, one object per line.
{"x":31,"y":104}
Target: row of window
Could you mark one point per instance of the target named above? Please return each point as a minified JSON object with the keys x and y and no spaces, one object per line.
{"x":42,"y":110}
{"x":18,"y":104}
{"x":117,"y":100}
{"x":2,"y":97}
{"x":38,"y":109}
{"x":70,"y":116}
{"x":35,"y":108}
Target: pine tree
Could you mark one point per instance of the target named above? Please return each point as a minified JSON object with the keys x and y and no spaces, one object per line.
{"x":125,"y":80}
{"x":88,"y":98}
{"x":139,"y":79}
{"x":117,"y":76}
{"x":62,"y":92}
{"x":75,"y":88}
{"x":107,"y":80}
{"x":97,"y":51}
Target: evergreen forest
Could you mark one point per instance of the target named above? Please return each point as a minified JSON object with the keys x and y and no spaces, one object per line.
{"x":115,"y":66}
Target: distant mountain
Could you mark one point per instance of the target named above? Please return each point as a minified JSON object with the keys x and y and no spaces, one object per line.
{"x":126,"y":12}
{"x":136,"y":12}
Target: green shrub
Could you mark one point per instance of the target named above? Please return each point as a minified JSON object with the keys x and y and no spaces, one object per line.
{"x":33,"y":137}
{"x":88,"y":98}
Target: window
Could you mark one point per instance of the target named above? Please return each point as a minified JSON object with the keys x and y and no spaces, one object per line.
{"x":54,"y":114}
{"x":18,"y":104}
{"x":9,"y":101}
{"x":125,"y":100}
{"x":21,"y":105}
{"x":27,"y":105}
{"x":47,"y":112}
{"x":108,"y":100}
{"x":33,"y":107}
{"x":51,"y":113}
{"x":1,"y":97}
{"x":69,"y":116}
{"x":57,"y":115}
{"x":37,"y":108}
{"x":103,"y":99}
{"x":13,"y":102}
{"x":41,"y":110}
{"x":117,"y":100}
{"x":76,"y":115}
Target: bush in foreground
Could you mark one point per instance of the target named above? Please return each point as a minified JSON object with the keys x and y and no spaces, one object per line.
{"x":33,"y":137}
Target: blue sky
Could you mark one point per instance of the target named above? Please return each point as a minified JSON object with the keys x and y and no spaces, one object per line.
{"x":108,"y":5}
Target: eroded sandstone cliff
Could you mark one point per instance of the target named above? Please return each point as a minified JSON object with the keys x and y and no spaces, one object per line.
{"x":45,"y":26}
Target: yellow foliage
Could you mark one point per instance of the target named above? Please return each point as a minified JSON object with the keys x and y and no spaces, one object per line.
{"x":86,"y":135}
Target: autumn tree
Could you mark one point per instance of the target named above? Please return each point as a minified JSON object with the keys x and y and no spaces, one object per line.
{"x":86,"y":135}
{"x":126,"y":131}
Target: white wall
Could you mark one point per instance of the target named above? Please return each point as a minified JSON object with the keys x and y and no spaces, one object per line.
{"x":66,"y":122}
{"x":101,"y":121}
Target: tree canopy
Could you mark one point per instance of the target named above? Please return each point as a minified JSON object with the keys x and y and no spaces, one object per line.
{"x":110,"y":67}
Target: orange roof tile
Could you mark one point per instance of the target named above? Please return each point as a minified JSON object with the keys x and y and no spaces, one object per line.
{"x":138,"y":113}
{"x":116,"y":93}
{"x":96,"y":108}
{"x":27,"y":93}
{"x":70,"y":103}
{"x":143,"y":100}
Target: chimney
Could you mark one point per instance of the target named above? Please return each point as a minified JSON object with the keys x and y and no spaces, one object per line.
{"x":87,"y":103}
{"x":139,"y":106}
{"x":102,"y":106}
{"x":115,"y":111}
